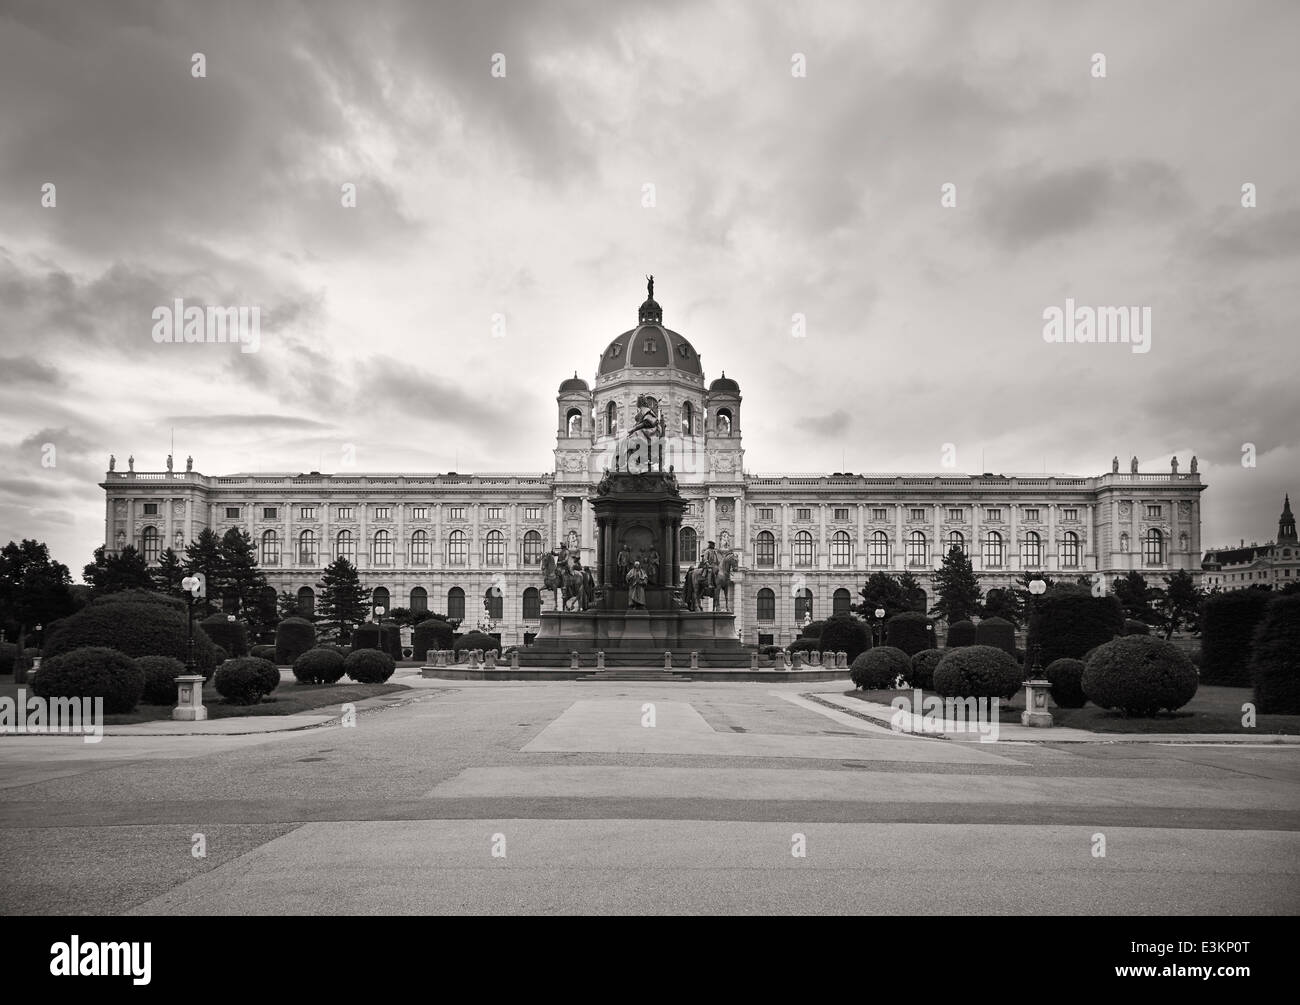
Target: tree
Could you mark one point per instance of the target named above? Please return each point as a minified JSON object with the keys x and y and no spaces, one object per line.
{"x":126,"y":570}
{"x":957,"y":588}
{"x":1003,"y":602}
{"x":287,"y":604}
{"x":203,"y":557}
{"x":881,"y":590}
{"x":34,"y":589}
{"x":1180,"y":605}
{"x":241,"y":579}
{"x":342,"y":601}
{"x":1137,"y":597}
{"x":168,"y":573}
{"x":913,"y":592}
{"x":1025,"y":601}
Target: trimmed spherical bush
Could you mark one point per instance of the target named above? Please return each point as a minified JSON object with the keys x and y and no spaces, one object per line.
{"x":369,"y":666}
{"x":804,"y":645}
{"x":909,"y":631}
{"x":293,"y":637}
{"x":923,"y":664}
{"x":92,"y":672}
{"x":160,"y":673}
{"x":877,"y":669}
{"x":1139,"y":675}
{"x":997,"y":632}
{"x":431,"y":633}
{"x":1134,"y":627}
{"x":366,"y":637}
{"x":813,"y":630}
{"x":318,"y":666}
{"x":1228,"y":624}
{"x":1066,"y":676}
{"x":977,"y":672}
{"x":961,"y":633}
{"x":262,"y":652}
{"x":476,"y":640}
{"x":231,"y":636}
{"x":1068,"y":625}
{"x":1275,"y":659}
{"x":136,"y":628}
{"x":847,"y":633}
{"x":140,"y":596}
{"x":220,"y":655}
{"x":242,"y":681}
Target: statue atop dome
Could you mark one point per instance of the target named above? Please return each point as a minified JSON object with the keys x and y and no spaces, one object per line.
{"x":650,"y":287}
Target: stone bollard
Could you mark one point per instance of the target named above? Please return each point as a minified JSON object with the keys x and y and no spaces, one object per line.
{"x":753,"y":660}
{"x":189,"y":698}
{"x":814,"y":658}
{"x":439,"y":658}
{"x":841,"y":660}
{"x":695,"y":659}
{"x":514,"y":660}
{"x":600,"y":659}
{"x":490,"y":659}
{"x":668,"y":659}
{"x":575,"y":661}
{"x":797,"y":660}
{"x":473,"y":659}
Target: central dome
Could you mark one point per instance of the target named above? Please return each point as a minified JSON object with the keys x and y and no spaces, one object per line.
{"x":650,"y":345}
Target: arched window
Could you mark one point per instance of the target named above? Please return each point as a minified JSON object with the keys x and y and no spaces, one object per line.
{"x":307,"y":548}
{"x":379,"y":597}
{"x":270,"y":548}
{"x":918,"y":551}
{"x":611,"y":419}
{"x":456,"y":604}
{"x":494,"y":597}
{"x":956,"y":540}
{"x":457,"y":552}
{"x":1031,"y":551}
{"x":1153,"y":547}
{"x":306,"y":602}
{"x":878,"y":549}
{"x":765,"y":550}
{"x":803,"y":605}
{"x":690,"y":545}
{"x":803,"y":548}
{"x":494,"y":549}
{"x":573,"y":422}
{"x":688,"y":418}
{"x":1070,"y":550}
{"x":723,"y":422}
{"x":150,"y":544}
{"x":841,"y":549}
{"x":532,"y":604}
{"x":420,"y":548}
{"x":345,"y":546}
{"x":532,"y":548}
{"x":766,"y":605}
{"x":419,"y":599}
{"x":840,"y":601}
{"x":993,"y":550}
{"x":383,"y":550}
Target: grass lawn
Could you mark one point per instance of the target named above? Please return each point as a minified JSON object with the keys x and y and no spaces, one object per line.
{"x":289,"y":698}
{"x":1214,"y":709}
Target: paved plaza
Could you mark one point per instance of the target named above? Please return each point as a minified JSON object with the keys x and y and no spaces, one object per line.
{"x":562,"y":797}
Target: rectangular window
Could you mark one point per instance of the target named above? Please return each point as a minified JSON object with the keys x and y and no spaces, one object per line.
{"x":879,"y":514}
{"x":307,"y":513}
{"x":1031,"y":515}
{"x":232,"y":512}
{"x":419,"y":512}
{"x":765,"y":512}
{"x":150,"y":509}
{"x":270,"y":512}
{"x":383,"y":513}
{"x":918,"y":514}
{"x":455,"y":512}
{"x":1153,"y":512}
{"x":494,"y":512}
{"x":841,"y":513}
{"x":995,"y":516}
{"x":803,"y":514}
{"x":955,"y":515}
{"x":345,"y":512}
{"x":532,"y":512}
{"x":1070,"y":515}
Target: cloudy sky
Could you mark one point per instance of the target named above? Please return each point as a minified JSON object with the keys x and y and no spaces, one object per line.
{"x":523,"y":195}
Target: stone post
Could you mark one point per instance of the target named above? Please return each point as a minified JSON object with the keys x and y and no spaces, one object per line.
{"x":189,"y":698}
{"x":600,"y":659}
{"x":668,"y":659}
{"x":796,"y":660}
{"x":514,"y":660}
{"x":473,"y":659}
{"x":695,"y":659}
{"x":490,"y":659}
{"x":753,"y":660}
{"x":575,"y":661}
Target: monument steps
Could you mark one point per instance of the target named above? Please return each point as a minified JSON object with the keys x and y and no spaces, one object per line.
{"x":641,"y":658}
{"x":640,"y":675}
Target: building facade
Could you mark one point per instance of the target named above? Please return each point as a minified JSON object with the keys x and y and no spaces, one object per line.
{"x":457,"y":543}
{"x":1275,"y":565}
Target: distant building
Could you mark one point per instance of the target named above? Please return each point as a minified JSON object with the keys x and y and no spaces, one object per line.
{"x":1275,"y":564}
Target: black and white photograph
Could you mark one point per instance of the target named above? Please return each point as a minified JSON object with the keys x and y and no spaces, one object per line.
{"x":701,"y":459}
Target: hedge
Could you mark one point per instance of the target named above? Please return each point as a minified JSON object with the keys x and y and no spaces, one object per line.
{"x":923,"y":664}
{"x":1139,"y":675}
{"x":877,"y":669}
{"x":961,"y":633}
{"x":293,"y":637}
{"x":431,"y":633}
{"x":1066,"y":676}
{"x":1228,"y":624}
{"x":139,"y":596}
{"x":318,"y":666}
{"x":977,"y":672}
{"x":1068,"y":625}
{"x":1275,"y":659}
{"x":386,"y":638}
{"x":847,"y":633}
{"x":910,"y":632}
{"x":997,"y":632}
{"x":92,"y":672}
{"x":160,"y":673}
{"x":232,"y":636}
{"x":134,"y":628}
{"x":369,"y":666}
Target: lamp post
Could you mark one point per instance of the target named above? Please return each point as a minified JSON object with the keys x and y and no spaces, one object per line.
{"x":1036,"y":687}
{"x":879,"y":626}
{"x":189,"y":697}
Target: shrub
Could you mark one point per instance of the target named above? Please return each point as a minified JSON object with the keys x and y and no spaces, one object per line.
{"x":977,"y":672}
{"x":293,"y":637}
{"x":1066,"y":676}
{"x":92,"y":672}
{"x":923,"y":663}
{"x":135,"y":628}
{"x":369,"y":666}
{"x":386,"y":638}
{"x":9,"y":656}
{"x":961,"y":633}
{"x":1134,"y":627}
{"x":476,"y":640}
{"x":877,"y":669}
{"x":1275,"y":659}
{"x":160,"y":673}
{"x":1228,"y":624}
{"x":804,"y":645}
{"x":1140,"y":675}
{"x":1068,"y":625}
{"x":147,"y":597}
{"x":262,"y":652}
{"x":813,"y":630}
{"x":432,"y":633}
{"x":321,"y":665}
{"x":844,"y":631}
{"x":232,"y":636}
{"x":221,"y":655}
{"x":997,"y":632}
{"x":269,"y":671}
{"x":243,"y":681}
{"x":909,"y":631}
